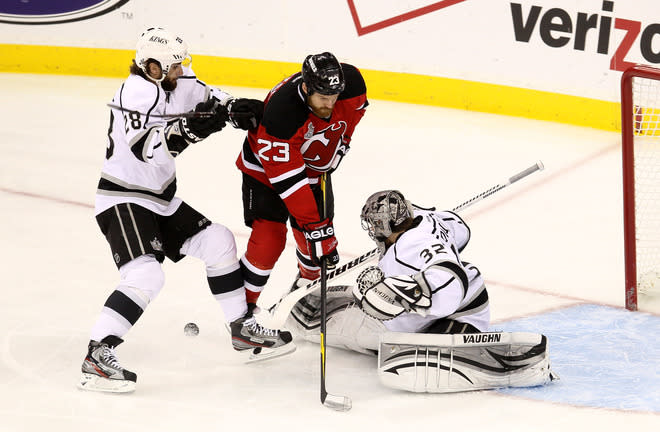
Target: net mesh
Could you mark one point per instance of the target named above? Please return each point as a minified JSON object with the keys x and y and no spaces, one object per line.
{"x":646,"y":122}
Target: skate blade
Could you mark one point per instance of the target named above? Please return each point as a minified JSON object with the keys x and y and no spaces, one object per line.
{"x":259,"y":354}
{"x":96,"y":383}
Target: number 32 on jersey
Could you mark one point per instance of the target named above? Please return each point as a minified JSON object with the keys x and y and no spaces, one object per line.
{"x":279,"y":153}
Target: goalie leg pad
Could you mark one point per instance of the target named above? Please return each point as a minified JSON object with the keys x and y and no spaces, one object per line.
{"x":305,"y":317}
{"x":347,"y":327}
{"x":429,"y":363}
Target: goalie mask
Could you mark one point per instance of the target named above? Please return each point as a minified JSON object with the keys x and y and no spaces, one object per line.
{"x":382,"y":213}
{"x":164,"y":47}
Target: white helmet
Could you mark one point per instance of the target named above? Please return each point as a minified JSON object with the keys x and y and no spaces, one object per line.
{"x":164,"y":47}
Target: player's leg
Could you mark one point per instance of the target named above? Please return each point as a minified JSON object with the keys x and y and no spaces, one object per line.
{"x":307,"y":269}
{"x":136,"y":244}
{"x":265,"y":213}
{"x":190,"y":233}
{"x":265,"y":245}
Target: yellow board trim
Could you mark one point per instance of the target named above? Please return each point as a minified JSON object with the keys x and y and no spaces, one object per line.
{"x":393,"y":86}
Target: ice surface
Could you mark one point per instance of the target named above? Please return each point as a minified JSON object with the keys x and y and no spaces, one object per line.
{"x":606,"y":357}
{"x":546,"y":246}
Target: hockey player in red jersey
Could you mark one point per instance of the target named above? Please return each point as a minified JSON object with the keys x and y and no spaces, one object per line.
{"x":305,"y":131}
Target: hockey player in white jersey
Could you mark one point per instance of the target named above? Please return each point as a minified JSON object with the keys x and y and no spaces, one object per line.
{"x":142,"y":218}
{"x":423,"y":309}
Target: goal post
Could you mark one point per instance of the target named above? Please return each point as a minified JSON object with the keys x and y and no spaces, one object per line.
{"x":640,"y":131}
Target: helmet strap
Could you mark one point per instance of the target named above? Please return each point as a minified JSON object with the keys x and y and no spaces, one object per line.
{"x":163,"y":74}
{"x":306,"y":90}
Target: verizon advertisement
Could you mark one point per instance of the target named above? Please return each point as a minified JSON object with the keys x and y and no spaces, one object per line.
{"x":572,"y":47}
{"x":557,"y":28}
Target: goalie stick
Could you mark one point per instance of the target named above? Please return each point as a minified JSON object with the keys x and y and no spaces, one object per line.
{"x":280,"y":310}
{"x":538,"y":166}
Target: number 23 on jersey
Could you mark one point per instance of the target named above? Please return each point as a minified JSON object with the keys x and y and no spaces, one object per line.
{"x":273,"y":150}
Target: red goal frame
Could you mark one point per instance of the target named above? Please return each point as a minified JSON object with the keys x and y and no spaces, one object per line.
{"x":629,"y":120}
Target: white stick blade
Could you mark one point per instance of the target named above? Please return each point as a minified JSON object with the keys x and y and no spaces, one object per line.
{"x":338,"y":403}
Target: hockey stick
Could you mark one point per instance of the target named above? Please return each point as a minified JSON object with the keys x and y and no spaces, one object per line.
{"x":338,"y":403}
{"x":280,"y":310}
{"x":190,"y":114}
{"x":538,"y":166}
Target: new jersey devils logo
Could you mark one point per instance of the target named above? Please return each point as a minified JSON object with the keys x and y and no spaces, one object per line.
{"x":320,"y":148}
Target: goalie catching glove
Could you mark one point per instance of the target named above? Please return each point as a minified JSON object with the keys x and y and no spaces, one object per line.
{"x":385,"y":298}
{"x":321,"y":242}
{"x":245,"y":114}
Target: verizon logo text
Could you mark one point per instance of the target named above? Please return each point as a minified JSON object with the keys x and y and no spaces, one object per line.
{"x":557,"y":28}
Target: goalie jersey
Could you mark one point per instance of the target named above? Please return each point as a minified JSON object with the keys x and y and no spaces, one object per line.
{"x":139,"y":165}
{"x":432,"y":247}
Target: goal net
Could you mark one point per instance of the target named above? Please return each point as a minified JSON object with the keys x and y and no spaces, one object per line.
{"x":640,"y":115}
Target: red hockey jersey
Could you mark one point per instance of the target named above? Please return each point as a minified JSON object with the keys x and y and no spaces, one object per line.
{"x":292,"y":146}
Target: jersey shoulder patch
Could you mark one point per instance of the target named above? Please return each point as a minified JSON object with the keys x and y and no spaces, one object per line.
{"x":285,"y":112}
{"x":137,"y":94}
{"x":355,"y":85}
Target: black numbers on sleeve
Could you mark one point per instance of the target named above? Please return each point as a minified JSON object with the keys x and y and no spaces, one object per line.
{"x":428,"y":253}
{"x":132,"y":118}
{"x":111,"y":143}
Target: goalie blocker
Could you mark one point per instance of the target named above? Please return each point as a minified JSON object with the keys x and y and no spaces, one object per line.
{"x":434,"y":363}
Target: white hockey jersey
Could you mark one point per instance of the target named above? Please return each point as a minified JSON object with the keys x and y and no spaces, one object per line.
{"x":139,"y":166}
{"x":432,"y":247}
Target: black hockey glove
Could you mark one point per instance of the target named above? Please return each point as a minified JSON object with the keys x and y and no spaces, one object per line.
{"x":199,"y":127}
{"x":321,"y":242}
{"x":245,"y":114}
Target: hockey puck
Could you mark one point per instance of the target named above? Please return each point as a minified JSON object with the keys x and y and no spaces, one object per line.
{"x":191,"y":329}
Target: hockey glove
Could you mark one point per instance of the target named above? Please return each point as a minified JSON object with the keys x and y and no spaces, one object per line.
{"x":321,"y":242}
{"x":245,"y":114}
{"x":212,"y":118}
{"x":203,"y":126}
{"x":341,"y":152}
{"x":385,"y":298}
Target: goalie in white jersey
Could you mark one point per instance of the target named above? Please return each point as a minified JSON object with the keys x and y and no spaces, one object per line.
{"x":142,"y":219}
{"x":421,"y":285}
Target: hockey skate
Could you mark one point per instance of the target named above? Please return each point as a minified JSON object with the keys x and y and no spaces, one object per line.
{"x":101,"y":370}
{"x":263,"y":343}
